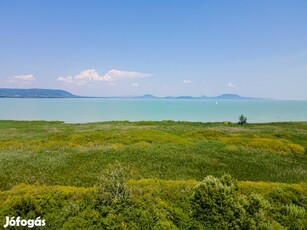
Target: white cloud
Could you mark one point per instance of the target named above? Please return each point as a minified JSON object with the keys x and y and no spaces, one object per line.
{"x":134,"y":84}
{"x":91,"y":75}
{"x":230,"y":85}
{"x":85,"y":76}
{"x":187,"y":81}
{"x":68,"y":79}
{"x":114,"y":74}
{"x":22,"y":78}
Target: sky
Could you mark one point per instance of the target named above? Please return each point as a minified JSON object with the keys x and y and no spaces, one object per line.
{"x":255,"y":48}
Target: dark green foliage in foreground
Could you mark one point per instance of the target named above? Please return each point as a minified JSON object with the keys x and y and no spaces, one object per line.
{"x":217,"y":204}
{"x":214,"y":203}
{"x":289,"y":207}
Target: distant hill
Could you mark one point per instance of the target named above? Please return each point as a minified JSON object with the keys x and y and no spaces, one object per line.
{"x":147,"y":96}
{"x":35,"y":93}
{"x":231,"y":97}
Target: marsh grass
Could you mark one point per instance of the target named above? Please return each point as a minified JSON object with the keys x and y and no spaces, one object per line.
{"x":55,"y":153}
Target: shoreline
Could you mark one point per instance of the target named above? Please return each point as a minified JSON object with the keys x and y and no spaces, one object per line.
{"x":155,"y":121}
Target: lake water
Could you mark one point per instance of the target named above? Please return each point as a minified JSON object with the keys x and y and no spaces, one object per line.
{"x":98,"y":109}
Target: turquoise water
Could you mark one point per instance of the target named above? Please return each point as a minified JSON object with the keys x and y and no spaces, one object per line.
{"x":92,"y":110}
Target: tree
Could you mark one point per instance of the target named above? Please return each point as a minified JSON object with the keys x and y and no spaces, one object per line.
{"x":242,"y":120}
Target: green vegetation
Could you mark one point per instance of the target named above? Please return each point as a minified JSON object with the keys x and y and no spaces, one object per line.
{"x":155,"y":175}
{"x":242,"y":120}
{"x":217,"y":204}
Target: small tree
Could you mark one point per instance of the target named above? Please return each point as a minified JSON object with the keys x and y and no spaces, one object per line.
{"x":242,"y":120}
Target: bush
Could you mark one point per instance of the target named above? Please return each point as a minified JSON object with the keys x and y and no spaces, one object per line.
{"x":257,"y":209}
{"x":112,"y":186}
{"x":289,"y":207}
{"x":89,"y":219}
{"x":217,"y":204}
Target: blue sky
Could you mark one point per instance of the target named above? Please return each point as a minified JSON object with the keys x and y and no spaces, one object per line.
{"x":162,"y":47}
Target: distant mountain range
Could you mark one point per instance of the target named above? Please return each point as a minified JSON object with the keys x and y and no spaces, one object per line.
{"x":55,"y":93}
{"x":223,"y":96}
{"x":35,"y":93}
{"x":220,"y":97}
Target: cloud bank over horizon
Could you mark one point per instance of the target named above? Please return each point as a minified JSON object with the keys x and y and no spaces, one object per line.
{"x":22,"y":79}
{"x":113,"y":75}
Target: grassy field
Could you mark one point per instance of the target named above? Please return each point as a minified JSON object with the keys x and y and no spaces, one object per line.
{"x":55,"y":153}
{"x":164,"y":159}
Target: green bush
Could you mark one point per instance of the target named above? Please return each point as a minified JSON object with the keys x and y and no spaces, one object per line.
{"x":217,"y":204}
{"x":88,"y":219}
{"x":257,"y":210}
{"x":214,"y":203}
{"x":289,"y":207}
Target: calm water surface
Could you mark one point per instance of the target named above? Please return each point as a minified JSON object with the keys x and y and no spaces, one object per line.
{"x":92,"y":110}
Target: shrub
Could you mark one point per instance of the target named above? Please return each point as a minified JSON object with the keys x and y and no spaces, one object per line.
{"x":88,"y":219}
{"x":217,"y":204}
{"x":112,"y":186}
{"x":289,"y":207}
{"x":257,"y":209}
